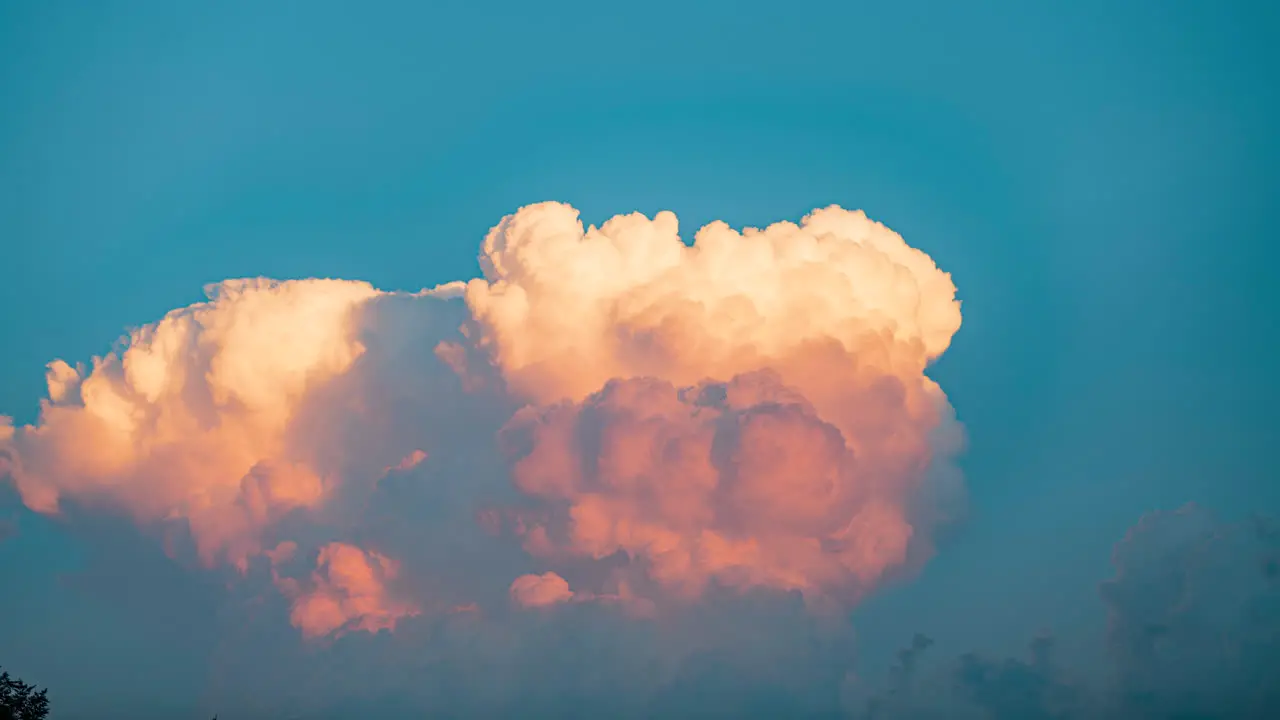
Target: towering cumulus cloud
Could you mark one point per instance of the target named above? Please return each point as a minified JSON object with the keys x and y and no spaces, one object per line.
{"x":751,"y":409}
{"x":653,"y":423}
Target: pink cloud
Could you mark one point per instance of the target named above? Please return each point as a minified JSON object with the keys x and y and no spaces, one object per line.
{"x":741,"y":491}
{"x":411,"y":461}
{"x":347,"y":592}
{"x":751,"y":410}
{"x":540,"y":590}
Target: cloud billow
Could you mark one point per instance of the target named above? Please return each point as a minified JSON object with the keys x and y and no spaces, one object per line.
{"x":608,"y":421}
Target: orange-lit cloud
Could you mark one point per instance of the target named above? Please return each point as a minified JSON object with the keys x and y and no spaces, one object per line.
{"x":563,"y":309}
{"x":347,"y":592}
{"x":735,"y":482}
{"x":189,"y":418}
{"x":752,"y":409}
{"x":411,"y":461}
{"x":749,"y":411}
{"x":540,"y":590}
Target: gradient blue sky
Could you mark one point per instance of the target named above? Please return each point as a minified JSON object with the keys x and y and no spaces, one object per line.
{"x":1099,"y":177}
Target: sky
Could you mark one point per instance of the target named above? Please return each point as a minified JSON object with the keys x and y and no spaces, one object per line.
{"x":1061,"y":334}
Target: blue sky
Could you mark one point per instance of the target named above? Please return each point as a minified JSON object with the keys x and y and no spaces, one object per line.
{"x":1097,"y":176}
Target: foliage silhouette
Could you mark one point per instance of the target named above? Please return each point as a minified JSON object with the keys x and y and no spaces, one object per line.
{"x":20,"y":701}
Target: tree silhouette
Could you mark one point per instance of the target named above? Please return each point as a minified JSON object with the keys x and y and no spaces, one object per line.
{"x":20,"y":701}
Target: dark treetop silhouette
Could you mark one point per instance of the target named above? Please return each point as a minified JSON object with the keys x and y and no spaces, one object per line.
{"x":20,"y":701}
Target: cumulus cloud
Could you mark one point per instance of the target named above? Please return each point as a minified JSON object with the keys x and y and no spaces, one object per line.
{"x":540,"y":590}
{"x":616,"y":468}
{"x":411,"y":461}
{"x":738,"y":482}
{"x":751,"y":409}
{"x":188,"y":419}
{"x":348,"y":591}
{"x":566,"y":309}
{"x":227,"y":418}
{"x":610,"y":426}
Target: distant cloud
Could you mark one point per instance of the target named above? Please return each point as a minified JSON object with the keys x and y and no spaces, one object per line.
{"x":1195,"y":614}
{"x":1194,"y":632}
